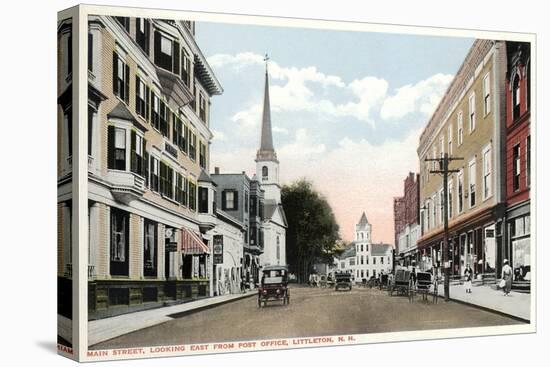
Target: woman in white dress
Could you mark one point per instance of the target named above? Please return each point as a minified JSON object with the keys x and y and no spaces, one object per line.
{"x":468,"y":273}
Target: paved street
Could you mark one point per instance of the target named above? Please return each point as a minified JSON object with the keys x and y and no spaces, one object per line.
{"x":311,"y":312}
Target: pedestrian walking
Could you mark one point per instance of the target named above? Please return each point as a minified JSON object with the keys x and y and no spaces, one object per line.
{"x":468,"y":273}
{"x":506,"y":277}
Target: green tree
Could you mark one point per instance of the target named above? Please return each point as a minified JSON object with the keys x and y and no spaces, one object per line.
{"x":312,"y":229}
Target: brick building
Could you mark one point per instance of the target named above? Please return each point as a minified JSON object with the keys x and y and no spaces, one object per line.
{"x":518,"y":162}
{"x":469,"y":122}
{"x":407,"y":221}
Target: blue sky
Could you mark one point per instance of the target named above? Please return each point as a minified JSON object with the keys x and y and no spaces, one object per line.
{"x":347,"y":107}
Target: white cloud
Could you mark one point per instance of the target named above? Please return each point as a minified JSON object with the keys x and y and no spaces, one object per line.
{"x":421,"y":97}
{"x":304,"y":147}
{"x":280,"y":130}
{"x":218,"y":136}
{"x":370,"y":94}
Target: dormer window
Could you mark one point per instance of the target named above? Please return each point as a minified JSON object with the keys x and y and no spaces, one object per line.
{"x":167,"y":53}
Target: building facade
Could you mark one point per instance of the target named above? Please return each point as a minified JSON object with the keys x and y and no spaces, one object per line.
{"x":149,"y":90}
{"x":468,"y":123}
{"x":267,"y":173}
{"x":518,"y":163}
{"x":363,"y":258}
{"x":407,"y":222}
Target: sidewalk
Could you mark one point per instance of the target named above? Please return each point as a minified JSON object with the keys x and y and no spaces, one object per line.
{"x":515,"y":304}
{"x":105,"y":329}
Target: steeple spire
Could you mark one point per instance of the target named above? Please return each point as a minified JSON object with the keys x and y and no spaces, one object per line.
{"x":266,"y":151}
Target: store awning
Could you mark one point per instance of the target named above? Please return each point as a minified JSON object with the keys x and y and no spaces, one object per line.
{"x":192,"y":244}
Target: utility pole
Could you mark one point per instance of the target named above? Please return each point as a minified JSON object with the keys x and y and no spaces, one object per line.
{"x":444,"y":171}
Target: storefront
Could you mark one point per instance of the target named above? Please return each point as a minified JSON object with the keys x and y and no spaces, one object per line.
{"x":518,"y":249}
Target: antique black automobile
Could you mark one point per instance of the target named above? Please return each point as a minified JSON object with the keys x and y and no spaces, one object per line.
{"x":274,"y":285}
{"x":343,"y":280}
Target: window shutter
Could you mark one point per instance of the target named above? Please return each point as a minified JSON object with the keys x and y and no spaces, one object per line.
{"x":146,"y":166}
{"x":224,"y":206}
{"x":157,"y":48}
{"x":90,"y":51}
{"x":174,"y":129}
{"x":147,"y":103}
{"x":236,"y":200}
{"x":111,"y":147}
{"x":133,"y":155}
{"x":115,"y":73}
{"x":162,"y":169}
{"x":144,"y":159}
{"x":151,"y":95}
{"x":138,"y":110}
{"x":176,"y":53}
{"x":127,"y":84}
{"x":147,"y":32}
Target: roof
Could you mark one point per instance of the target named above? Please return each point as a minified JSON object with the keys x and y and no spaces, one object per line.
{"x":205,"y":177}
{"x":270,"y":207}
{"x":348,"y":252}
{"x":363,"y":221}
{"x":123,"y":113}
{"x":266,"y":151}
{"x":380,"y":249}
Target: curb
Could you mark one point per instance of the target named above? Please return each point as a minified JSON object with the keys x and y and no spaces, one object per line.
{"x":178,"y":315}
{"x":485,"y":308}
{"x":181,"y":314}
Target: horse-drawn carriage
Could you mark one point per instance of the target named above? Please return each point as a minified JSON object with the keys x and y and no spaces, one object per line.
{"x":401,"y":283}
{"x":425,"y":283}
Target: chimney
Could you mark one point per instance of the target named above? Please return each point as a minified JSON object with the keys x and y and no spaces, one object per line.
{"x":217,"y":170}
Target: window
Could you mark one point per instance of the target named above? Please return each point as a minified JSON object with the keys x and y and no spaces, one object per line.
{"x":441,"y":206}
{"x":166,"y":180}
{"x":472,"y":112}
{"x":517,"y":167}
{"x":472,"y":179}
{"x":450,"y":137}
{"x":202,"y":155}
{"x":121,"y":78}
{"x":69,"y":54}
{"x":265,"y":172}
{"x":202,"y":106}
{"x":528,"y":161}
{"x":460,"y":129}
{"x":374,"y":260}
{"x":185,"y":142}
{"x":186,"y":69}
{"x":434,"y":211}
{"x":487,"y":168}
{"x":203,"y":200}
{"x":142,"y":33}
{"x":116,"y":148}
{"x":434,"y":156}
{"x":246,"y":201}
{"x":137,"y":156}
{"x":460,"y":191}
{"x":192,"y":196}
{"x":428,"y":222}
{"x":441,"y":146}
{"x":119,"y":242}
{"x":124,"y":22}
{"x":178,"y":133}
{"x":362,"y":259}
{"x":229,"y":200}
{"x":516,"y":97}
{"x":450,"y":201}
{"x":142,"y":100}
{"x":155,"y":174}
{"x":167,"y":53}
{"x":192,"y":146}
{"x":155,"y":111}
{"x":486,"y":94}
{"x":381,"y":260}
{"x":150,"y":249}
{"x":179,"y":190}
{"x":367,"y":260}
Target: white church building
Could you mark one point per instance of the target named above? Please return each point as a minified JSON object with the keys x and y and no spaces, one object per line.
{"x":267,"y":173}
